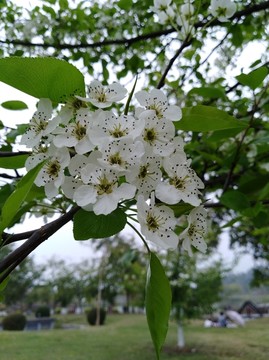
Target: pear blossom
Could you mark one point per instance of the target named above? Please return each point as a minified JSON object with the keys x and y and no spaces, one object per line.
{"x":194,"y":234}
{"x":222,"y":9}
{"x":146,"y":174}
{"x":178,"y":156}
{"x":157,"y":223}
{"x":69,"y":109}
{"x":158,"y":134}
{"x":109,"y":127}
{"x":186,"y":11}
{"x":70,"y":185}
{"x":100,"y":159}
{"x":120,"y":155}
{"x":75,"y":133}
{"x":182,"y":183}
{"x":51,"y":176}
{"x":40,"y":125}
{"x":156,"y":100}
{"x":186,"y":28}
{"x":101,"y":189}
{"x":103,"y":97}
{"x":164,"y":10}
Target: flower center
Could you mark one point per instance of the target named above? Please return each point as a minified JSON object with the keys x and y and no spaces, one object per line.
{"x":104,"y":186}
{"x":191,"y":230}
{"x":158,"y":110}
{"x":101,"y":97}
{"x":221,"y":11}
{"x":116,"y":159}
{"x":39,"y":125}
{"x":53,"y":168}
{"x":77,"y":104}
{"x":152,"y":222}
{"x":178,"y":183}
{"x":118,"y":132}
{"x":150,"y":135}
{"x":143,"y":172}
{"x":79,"y":131}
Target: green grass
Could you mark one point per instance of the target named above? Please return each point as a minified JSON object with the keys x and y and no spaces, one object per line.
{"x":126,"y":337}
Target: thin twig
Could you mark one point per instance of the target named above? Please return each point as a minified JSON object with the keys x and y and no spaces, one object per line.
{"x":184,"y":44}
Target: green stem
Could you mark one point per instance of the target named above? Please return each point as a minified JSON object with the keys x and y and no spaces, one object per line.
{"x":141,"y":237}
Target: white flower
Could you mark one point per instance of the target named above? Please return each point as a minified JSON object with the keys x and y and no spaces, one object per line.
{"x":196,"y":231}
{"x":186,"y":10}
{"x":158,"y":134}
{"x":77,"y":163}
{"x":70,"y":185}
{"x":51,"y":176}
{"x":109,"y":127}
{"x":101,"y":189}
{"x":40,"y":125}
{"x":145,"y":175}
{"x":182,"y":184}
{"x":120,"y":155}
{"x":187,"y":28}
{"x":157,"y":223}
{"x":178,"y":155}
{"x":157,"y":101}
{"x":222,"y":9}
{"x":103,"y":97}
{"x":75,"y":133}
{"x":164,"y":10}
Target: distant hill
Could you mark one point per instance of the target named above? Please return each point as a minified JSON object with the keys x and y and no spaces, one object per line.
{"x":237,"y":289}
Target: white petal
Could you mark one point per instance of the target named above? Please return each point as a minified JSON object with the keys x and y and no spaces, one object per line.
{"x":186,"y":245}
{"x":105,"y":204}
{"x":167,"y":193}
{"x":198,"y":242}
{"x":173,"y":112}
{"x":142,"y":97}
{"x":85,"y":195}
{"x":125,"y":191}
{"x":51,"y":190}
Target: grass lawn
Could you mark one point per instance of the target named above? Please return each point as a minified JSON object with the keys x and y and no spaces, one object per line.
{"x":126,"y":337}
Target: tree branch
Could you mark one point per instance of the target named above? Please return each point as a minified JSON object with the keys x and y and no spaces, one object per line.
{"x":11,"y":153}
{"x":37,"y":237}
{"x":249,"y":10}
{"x":185,"y":44}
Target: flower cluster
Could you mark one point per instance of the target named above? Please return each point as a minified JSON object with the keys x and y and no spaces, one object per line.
{"x":182,"y":17}
{"x":101,"y":159}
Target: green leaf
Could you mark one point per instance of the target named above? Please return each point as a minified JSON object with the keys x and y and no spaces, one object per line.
{"x":181,"y":209}
{"x":158,"y":303}
{"x":253,"y":79}
{"x":264,"y":192}
{"x":88,"y":225}
{"x":208,"y":92}
{"x":206,"y":118}
{"x":235,"y":200}
{"x":13,"y":162}
{"x":42,"y":77}
{"x":217,"y":136}
{"x":4,"y":284}
{"x":125,"y":4}
{"x":14,"y":105}
{"x":15,"y":200}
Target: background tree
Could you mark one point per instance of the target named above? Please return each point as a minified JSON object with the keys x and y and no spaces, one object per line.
{"x":196,"y":288}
